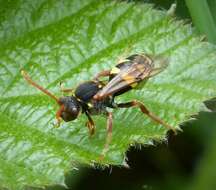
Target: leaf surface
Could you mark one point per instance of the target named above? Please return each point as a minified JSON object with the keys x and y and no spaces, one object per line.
{"x":71,"y":41}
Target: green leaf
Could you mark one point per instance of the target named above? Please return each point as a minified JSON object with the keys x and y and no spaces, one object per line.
{"x":71,"y":41}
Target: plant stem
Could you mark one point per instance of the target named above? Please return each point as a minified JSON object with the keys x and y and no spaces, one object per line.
{"x":203,"y":17}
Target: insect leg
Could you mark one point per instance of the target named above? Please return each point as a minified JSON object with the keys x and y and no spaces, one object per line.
{"x":102,"y":74}
{"x":145,"y":110}
{"x":109,"y":134}
{"x":58,"y":115}
{"x":66,"y":90}
{"x":90,"y":124}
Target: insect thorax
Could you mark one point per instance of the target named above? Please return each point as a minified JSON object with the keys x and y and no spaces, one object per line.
{"x":85,"y":91}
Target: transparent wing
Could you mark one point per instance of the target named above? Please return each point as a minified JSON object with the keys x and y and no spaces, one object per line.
{"x":132,"y":74}
{"x":125,"y":78}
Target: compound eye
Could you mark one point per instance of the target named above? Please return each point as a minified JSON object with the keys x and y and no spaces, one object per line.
{"x":74,"y":109}
{"x":67,"y":116}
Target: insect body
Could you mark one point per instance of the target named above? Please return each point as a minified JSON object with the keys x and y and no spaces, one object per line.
{"x":94,"y":97}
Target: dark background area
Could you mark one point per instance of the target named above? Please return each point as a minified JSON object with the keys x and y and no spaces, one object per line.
{"x":171,"y":165}
{"x":185,"y":161}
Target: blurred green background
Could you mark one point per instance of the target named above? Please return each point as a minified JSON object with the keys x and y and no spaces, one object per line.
{"x":186,"y":161}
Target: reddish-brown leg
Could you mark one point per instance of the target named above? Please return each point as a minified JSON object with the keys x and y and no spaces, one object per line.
{"x":109,"y":135}
{"x":90,"y":124}
{"x":65,"y":90}
{"x":58,"y":115}
{"x":143,"y":108}
{"x":102,"y":74}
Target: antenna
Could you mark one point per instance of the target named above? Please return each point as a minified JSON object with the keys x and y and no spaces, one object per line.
{"x":30,"y":81}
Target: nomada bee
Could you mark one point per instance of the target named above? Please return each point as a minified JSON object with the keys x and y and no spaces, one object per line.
{"x":94,"y":97}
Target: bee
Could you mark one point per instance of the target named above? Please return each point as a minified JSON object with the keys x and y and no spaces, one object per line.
{"x":94,"y":97}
